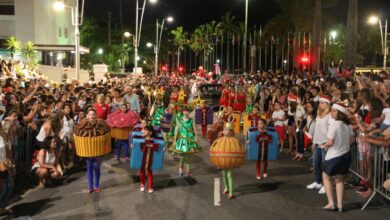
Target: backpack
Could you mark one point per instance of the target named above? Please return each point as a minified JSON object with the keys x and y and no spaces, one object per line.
{"x":34,"y":158}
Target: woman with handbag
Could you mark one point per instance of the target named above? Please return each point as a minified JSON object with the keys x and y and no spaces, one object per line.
{"x":6,"y":170}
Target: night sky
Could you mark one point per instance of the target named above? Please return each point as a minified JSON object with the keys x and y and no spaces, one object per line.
{"x":191,"y":13}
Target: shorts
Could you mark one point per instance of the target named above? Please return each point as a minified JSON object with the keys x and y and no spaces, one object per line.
{"x":281,"y":130}
{"x":338,"y":166}
{"x":291,"y":121}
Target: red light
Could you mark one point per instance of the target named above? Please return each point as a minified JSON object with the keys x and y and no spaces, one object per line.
{"x":304,"y":59}
{"x":164,"y":68}
{"x":181,"y":69}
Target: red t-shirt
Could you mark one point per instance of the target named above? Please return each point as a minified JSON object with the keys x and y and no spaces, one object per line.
{"x":102,"y":110}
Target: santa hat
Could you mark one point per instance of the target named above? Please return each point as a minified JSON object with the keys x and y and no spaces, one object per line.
{"x":292,"y":98}
{"x":341,"y":107}
{"x":324,"y":98}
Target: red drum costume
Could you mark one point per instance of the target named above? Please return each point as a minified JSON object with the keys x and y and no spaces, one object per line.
{"x":240,"y":103}
{"x":224,"y":100}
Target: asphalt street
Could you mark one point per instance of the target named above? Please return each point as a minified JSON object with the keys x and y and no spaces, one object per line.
{"x":280,"y":196}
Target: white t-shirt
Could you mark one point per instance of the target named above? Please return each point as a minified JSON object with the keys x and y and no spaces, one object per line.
{"x":386,"y":113}
{"x":341,"y":134}
{"x":321,"y":129}
{"x":278,"y":114}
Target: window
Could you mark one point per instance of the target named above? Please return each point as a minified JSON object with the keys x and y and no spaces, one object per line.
{"x":66,"y":33}
{"x":59,"y":32}
{"x":7,"y":9}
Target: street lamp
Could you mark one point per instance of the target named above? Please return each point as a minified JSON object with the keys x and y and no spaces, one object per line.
{"x":138,"y":28}
{"x":100,"y":51}
{"x":158,"y":41}
{"x":383,"y":29}
{"x":245,"y":35}
{"x":77,"y":21}
{"x":333,"y":35}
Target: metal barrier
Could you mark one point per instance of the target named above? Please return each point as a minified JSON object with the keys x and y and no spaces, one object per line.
{"x":23,"y":150}
{"x":380,"y":173}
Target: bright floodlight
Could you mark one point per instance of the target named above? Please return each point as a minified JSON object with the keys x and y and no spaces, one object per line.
{"x":284,"y":61}
{"x":170,"y":19}
{"x":152,"y":1}
{"x":149,"y":44}
{"x":333,"y":34}
{"x":138,"y":58}
{"x":373,"y":20}
{"x":100,"y":51}
{"x":58,"y":5}
{"x":127,"y":34}
{"x":218,"y":61}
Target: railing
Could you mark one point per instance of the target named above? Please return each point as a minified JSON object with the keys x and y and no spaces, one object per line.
{"x":381,"y":168}
{"x":23,"y":148}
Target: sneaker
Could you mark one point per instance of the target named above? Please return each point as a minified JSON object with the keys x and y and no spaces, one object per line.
{"x":150,"y":191}
{"x":258,"y":177}
{"x":265,"y":175}
{"x":314,"y":185}
{"x":322,"y":190}
{"x":142,"y":188}
{"x":97,"y":190}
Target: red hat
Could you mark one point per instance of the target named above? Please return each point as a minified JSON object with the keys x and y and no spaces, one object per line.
{"x":324,"y":98}
{"x":340,"y":107}
{"x":292,"y":98}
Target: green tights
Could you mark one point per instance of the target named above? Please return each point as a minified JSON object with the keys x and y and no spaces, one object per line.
{"x":228,"y":180}
{"x":185,"y":160}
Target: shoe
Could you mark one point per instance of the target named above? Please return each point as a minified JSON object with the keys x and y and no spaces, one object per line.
{"x":97,"y":190}
{"x":142,"y":188}
{"x":88,"y":191}
{"x":314,"y":185}
{"x":150,"y":191}
{"x":295,"y":157}
{"x":258,"y":177}
{"x":340,"y":210}
{"x":231,"y":197}
{"x":265,"y":175}
{"x":126,"y":159}
{"x":281,"y":150}
{"x":322,"y":190}
{"x":188,"y":174}
{"x":329,"y":208}
{"x":225,"y":192}
{"x":366,"y":194}
{"x":181,"y":172}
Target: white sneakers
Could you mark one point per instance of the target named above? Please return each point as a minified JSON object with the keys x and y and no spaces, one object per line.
{"x":314,"y":185}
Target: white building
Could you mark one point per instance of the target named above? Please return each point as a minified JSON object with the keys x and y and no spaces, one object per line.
{"x":35,"y":20}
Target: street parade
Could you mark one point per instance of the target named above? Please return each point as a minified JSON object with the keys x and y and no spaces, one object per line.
{"x":299,"y":139}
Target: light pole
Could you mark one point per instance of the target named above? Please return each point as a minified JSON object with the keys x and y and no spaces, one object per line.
{"x":138,"y":29}
{"x":77,"y":21}
{"x":383,"y":30}
{"x":245,"y":35}
{"x":158,"y":41}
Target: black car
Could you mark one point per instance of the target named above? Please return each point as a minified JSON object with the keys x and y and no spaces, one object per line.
{"x":211,"y":93}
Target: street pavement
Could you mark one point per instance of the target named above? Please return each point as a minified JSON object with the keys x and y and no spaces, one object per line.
{"x":283,"y":195}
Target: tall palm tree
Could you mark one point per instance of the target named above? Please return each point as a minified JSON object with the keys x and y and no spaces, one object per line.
{"x":351,"y":35}
{"x":179,"y":40}
{"x":13,"y":46}
{"x":228,"y":26}
{"x":29,"y":52}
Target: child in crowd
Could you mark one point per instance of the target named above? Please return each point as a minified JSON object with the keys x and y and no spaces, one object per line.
{"x":148,"y":148}
{"x":278,"y":116}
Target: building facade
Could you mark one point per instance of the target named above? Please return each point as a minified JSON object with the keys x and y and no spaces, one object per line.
{"x":37,"y":21}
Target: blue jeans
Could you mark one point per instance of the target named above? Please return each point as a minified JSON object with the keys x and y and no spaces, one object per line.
{"x":122,"y":144}
{"x":318,"y":159}
{"x":5,"y":190}
{"x":93,"y":172}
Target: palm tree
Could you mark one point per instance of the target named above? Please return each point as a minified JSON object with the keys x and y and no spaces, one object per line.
{"x":228,"y":26}
{"x":13,"y":46}
{"x":351,"y":35}
{"x":179,"y":40}
{"x":29,"y":52}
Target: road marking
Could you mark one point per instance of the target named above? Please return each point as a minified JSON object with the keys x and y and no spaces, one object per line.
{"x":217,"y":192}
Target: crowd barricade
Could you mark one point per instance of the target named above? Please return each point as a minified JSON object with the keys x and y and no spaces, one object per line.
{"x":381,"y":171}
{"x":23,"y":150}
